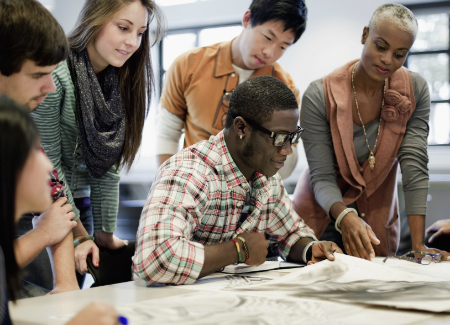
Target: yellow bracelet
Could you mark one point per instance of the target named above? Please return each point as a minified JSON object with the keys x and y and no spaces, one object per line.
{"x":238,"y":249}
{"x":244,"y":244}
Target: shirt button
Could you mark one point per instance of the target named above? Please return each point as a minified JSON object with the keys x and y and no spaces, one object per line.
{"x":363,"y":215}
{"x":361,"y":169}
{"x":233,"y":75}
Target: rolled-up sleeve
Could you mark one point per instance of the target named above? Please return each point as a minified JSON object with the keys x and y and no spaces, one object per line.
{"x":413,"y":154}
{"x":165,"y":252}
{"x":318,"y":144}
{"x":286,"y":226}
{"x":47,"y":117}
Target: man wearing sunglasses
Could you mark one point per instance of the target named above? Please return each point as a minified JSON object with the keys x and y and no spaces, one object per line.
{"x":221,"y":201}
{"x":199,"y":83}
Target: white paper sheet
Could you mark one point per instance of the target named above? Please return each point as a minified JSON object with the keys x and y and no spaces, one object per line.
{"x":228,"y":308}
{"x":350,"y":279}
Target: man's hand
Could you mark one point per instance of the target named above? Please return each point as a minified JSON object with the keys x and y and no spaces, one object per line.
{"x":55,"y":223}
{"x":96,"y":313}
{"x":441,"y":227}
{"x":323,"y":250}
{"x":108,"y":240}
{"x":358,"y":237}
{"x":81,"y":253}
{"x":257,"y":247}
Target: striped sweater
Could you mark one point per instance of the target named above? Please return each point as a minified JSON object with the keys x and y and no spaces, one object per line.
{"x":56,"y":122}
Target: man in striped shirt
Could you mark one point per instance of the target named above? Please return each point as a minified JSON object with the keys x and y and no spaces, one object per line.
{"x":227,"y":187}
{"x":26,"y":64}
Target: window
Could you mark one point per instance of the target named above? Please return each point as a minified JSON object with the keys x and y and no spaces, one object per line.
{"x":179,"y":41}
{"x":429,"y":57}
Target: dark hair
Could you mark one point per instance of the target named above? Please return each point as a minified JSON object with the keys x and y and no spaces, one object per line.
{"x":292,"y":12}
{"x":257,"y":98}
{"x":18,"y":135}
{"x":29,"y":32}
{"x":136,"y":77}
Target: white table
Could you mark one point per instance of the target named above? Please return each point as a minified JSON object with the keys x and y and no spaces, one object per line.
{"x":56,"y":309}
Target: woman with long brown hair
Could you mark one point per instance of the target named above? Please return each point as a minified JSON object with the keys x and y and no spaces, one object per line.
{"x":92,"y":125}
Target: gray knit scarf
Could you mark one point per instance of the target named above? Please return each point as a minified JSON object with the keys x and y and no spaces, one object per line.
{"x":99,"y":113}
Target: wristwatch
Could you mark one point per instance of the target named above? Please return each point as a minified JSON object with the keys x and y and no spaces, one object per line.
{"x":309,"y":254}
{"x":80,"y":240}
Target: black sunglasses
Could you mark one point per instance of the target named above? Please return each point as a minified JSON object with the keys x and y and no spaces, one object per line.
{"x":279,"y":139}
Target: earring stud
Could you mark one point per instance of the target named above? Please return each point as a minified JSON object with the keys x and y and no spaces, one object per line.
{"x":240,"y":136}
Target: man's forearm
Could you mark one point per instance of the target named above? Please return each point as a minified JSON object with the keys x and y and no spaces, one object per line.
{"x":63,"y":264}
{"x":218,"y":256}
{"x":296,"y":252}
{"x":27,"y":247}
{"x":417,"y":229}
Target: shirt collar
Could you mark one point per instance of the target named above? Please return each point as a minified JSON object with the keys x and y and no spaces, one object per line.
{"x":223,"y":65}
{"x":230,"y":170}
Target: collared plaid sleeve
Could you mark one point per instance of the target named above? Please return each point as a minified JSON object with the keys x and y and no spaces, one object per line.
{"x":286,"y":227}
{"x":165,"y":252}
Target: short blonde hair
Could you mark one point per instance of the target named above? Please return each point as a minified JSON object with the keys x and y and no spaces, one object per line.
{"x":396,"y":14}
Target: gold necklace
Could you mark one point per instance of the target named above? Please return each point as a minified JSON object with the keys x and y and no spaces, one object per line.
{"x":371,"y":156}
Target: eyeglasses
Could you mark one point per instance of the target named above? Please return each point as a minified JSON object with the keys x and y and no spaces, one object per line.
{"x":226,"y":97}
{"x":423,"y":258}
{"x":279,"y":139}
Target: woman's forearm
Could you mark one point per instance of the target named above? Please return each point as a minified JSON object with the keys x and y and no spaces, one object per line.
{"x":417,"y":229}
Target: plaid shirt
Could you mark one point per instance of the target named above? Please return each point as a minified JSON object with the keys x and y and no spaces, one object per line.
{"x":197,"y":199}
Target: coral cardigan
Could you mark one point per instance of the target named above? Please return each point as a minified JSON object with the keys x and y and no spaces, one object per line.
{"x":374,"y":191}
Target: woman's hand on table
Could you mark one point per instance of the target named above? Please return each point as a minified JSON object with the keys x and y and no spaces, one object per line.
{"x":81,"y":253}
{"x":324,"y":250}
{"x":108,"y":240}
{"x":358,"y":237}
{"x":441,"y":227}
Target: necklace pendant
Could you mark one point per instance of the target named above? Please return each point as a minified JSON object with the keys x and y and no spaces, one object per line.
{"x":371,"y":161}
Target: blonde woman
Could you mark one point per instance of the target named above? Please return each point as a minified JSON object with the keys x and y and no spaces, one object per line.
{"x":92,"y":125}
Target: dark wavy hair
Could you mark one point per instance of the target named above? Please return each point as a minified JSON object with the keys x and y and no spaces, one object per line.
{"x":292,"y":12}
{"x":18,"y":135}
{"x":136,"y":77}
{"x":29,"y":32}
{"x":257,"y":98}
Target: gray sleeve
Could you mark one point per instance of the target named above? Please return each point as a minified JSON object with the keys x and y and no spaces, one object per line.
{"x":318,"y":145}
{"x":413,"y":155}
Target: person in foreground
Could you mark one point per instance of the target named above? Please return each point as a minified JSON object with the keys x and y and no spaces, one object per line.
{"x":26,"y":64}
{"x":24,"y":171}
{"x":92,"y":125}
{"x":363,"y":120}
{"x":221,"y":201}
{"x":199,"y":83}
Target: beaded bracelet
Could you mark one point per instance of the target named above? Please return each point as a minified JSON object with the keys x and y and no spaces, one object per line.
{"x":238,"y":249}
{"x":244,"y":244}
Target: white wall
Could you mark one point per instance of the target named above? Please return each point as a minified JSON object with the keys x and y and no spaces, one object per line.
{"x":332,"y":38}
